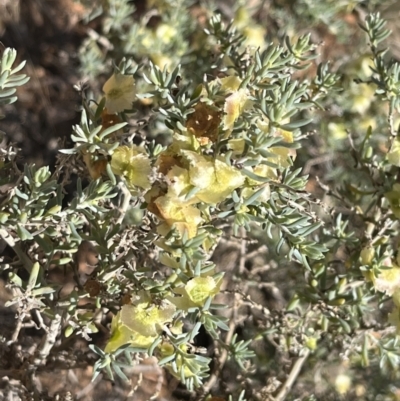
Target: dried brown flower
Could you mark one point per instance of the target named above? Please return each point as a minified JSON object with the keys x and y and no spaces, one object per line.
{"x":204,"y":123}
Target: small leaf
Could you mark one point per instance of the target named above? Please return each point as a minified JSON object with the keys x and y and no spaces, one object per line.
{"x":119,"y":372}
{"x":296,"y":124}
{"x":24,"y":234}
{"x":15,"y":279}
{"x":33,"y":276}
{"x":112,"y":129}
{"x":166,"y":359}
{"x":42,"y":291}
{"x":97,"y":350}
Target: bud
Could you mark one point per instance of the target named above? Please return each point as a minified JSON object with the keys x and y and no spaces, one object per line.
{"x":367,"y":255}
{"x":68,"y":331}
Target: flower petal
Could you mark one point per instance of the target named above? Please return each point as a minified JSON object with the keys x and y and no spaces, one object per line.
{"x":120,"y":93}
{"x":133,"y":164}
{"x":234,"y":105}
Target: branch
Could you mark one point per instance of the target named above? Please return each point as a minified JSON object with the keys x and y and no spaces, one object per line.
{"x":292,"y":376}
{"x":221,"y":360}
{"x":48,"y":341}
{"x":17,"y":329}
{"x":24,"y":259}
{"x":233,"y":321}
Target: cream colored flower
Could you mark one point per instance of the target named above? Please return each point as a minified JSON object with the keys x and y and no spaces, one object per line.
{"x":342,"y":383}
{"x":165,"y":33}
{"x":263,"y":171}
{"x":173,"y":207}
{"x":234,"y":106}
{"x":281,"y":156}
{"x":182,"y":217}
{"x":195,"y":292}
{"x":230,"y":83}
{"x":214,"y":178}
{"x":253,"y":33}
{"x":237,"y":145}
{"x":388,"y":280}
{"x":162,"y":61}
{"x":134,"y":164}
{"x":254,"y":36}
{"x":139,"y":324}
{"x":120,"y":93}
{"x":361,"y":97}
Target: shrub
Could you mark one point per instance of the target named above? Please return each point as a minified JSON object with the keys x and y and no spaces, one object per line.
{"x":203,"y":133}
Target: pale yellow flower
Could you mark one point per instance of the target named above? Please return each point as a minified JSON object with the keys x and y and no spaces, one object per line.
{"x":361,"y":97}
{"x":342,"y":383}
{"x":281,"y":156}
{"x":264,"y":126}
{"x":230,"y":83}
{"x":168,"y":349}
{"x":120,"y":93}
{"x":173,"y":207}
{"x":388,"y":280}
{"x":179,"y":185}
{"x":215,"y":179}
{"x":237,"y":145}
{"x":121,"y":335}
{"x":161,"y":61}
{"x":263,"y":171}
{"x":165,"y":33}
{"x":133,"y":164}
{"x":254,"y":33}
{"x":182,"y":217}
{"x":196,"y":292}
{"x":254,"y":36}
{"x":337,"y":131}
{"x":139,"y":324}
{"x":201,"y":169}
{"x":249,"y":192}
{"x":234,"y":106}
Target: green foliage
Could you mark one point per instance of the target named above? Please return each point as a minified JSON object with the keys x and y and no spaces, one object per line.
{"x":9,"y":79}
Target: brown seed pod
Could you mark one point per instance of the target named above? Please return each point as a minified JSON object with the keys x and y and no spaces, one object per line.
{"x":126,"y":299}
{"x":93,"y":287}
{"x":86,"y":260}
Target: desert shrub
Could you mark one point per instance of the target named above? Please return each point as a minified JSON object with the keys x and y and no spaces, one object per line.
{"x":203,"y":136}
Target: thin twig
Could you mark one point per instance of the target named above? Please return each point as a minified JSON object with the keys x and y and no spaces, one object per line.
{"x":246,"y":300}
{"x":317,"y":160}
{"x":221,"y":360}
{"x":382,"y":231}
{"x":126,"y":198}
{"x":286,"y":387}
{"x":256,"y":252}
{"x":243,"y":248}
{"x":233,"y":321}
